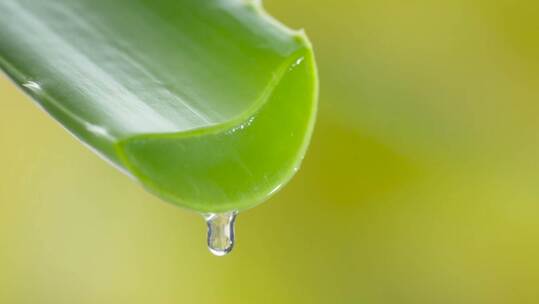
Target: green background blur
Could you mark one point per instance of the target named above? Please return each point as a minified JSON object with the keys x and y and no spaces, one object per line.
{"x":421,"y":184}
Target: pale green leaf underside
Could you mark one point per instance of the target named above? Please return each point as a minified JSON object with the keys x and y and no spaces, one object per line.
{"x":209,"y":104}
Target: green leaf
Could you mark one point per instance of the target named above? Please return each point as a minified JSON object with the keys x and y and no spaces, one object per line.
{"x":210,"y":104}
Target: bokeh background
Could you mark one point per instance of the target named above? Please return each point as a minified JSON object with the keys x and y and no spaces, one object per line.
{"x":421,"y":184}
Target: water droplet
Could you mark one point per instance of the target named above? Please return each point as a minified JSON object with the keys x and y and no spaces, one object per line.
{"x":297,"y":62}
{"x":221,"y":232}
{"x":242,"y":126}
{"x":98,"y":130}
{"x":275,"y":189}
{"x":32,"y":85}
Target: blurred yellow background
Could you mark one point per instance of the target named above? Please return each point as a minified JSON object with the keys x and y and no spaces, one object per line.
{"x":421,"y":184}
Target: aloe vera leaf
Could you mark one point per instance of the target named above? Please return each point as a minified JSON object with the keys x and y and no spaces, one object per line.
{"x":208,"y":104}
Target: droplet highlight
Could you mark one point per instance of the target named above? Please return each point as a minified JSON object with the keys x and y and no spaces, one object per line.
{"x":32,"y":85}
{"x":221,"y":232}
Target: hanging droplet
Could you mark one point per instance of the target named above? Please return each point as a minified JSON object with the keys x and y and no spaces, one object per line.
{"x":221,"y":232}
